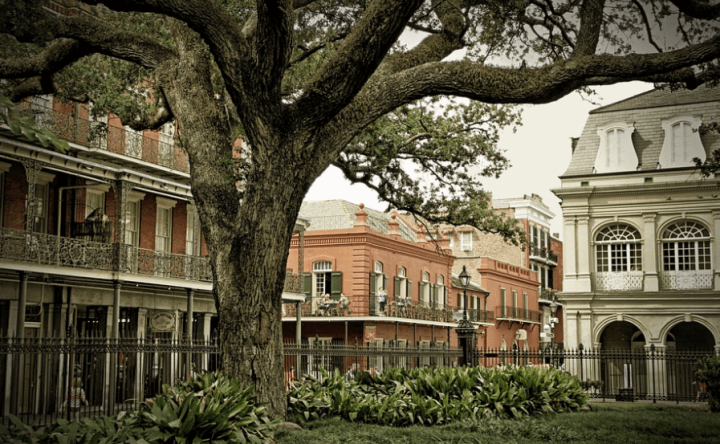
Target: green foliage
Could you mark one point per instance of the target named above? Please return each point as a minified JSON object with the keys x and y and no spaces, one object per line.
{"x":590,"y":384}
{"x":707,"y":371}
{"x":401,"y":397}
{"x":212,"y":408}
{"x":23,"y":126}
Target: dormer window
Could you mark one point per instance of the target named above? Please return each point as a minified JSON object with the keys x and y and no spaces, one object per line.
{"x":616,"y":151}
{"x":682,"y":142}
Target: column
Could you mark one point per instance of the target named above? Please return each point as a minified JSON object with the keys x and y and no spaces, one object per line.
{"x":584,"y":249}
{"x":115,"y":329}
{"x":121,"y":189}
{"x":22,"y":302}
{"x":651,"y":281}
{"x":570,"y":337}
{"x":298,"y":323}
{"x":716,"y":250}
{"x":32,"y":168}
{"x":189,"y":329}
{"x":208,"y":338}
{"x":656,"y":369}
{"x":569,"y":261}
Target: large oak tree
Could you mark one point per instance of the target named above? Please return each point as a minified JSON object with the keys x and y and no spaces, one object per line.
{"x":314,"y":83}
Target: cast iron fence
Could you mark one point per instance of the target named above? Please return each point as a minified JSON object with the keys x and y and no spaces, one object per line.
{"x":118,"y":375}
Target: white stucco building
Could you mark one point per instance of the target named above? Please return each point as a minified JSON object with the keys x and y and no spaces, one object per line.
{"x":641,"y":256}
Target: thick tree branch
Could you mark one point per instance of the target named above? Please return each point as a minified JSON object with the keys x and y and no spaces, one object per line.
{"x":55,"y":57}
{"x":436,"y":46}
{"x":698,"y":9}
{"x":506,"y":85}
{"x":272,"y":43}
{"x":591,"y":12}
{"x":347,"y":70}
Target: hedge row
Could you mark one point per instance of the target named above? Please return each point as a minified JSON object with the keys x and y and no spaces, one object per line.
{"x":402,"y":397}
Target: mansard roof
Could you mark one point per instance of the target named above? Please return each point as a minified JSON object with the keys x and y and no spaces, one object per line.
{"x":644,"y":114}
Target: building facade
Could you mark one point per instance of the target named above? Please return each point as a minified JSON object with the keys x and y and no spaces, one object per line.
{"x":358,"y":253}
{"x":641,"y":226}
{"x":100,"y":241}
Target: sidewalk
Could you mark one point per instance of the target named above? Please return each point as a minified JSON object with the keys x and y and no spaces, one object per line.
{"x":702,"y":405}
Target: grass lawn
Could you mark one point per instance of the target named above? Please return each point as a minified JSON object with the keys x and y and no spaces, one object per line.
{"x":606,"y":423}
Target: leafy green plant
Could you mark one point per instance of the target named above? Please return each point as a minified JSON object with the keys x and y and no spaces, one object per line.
{"x":402,"y":397}
{"x":707,"y":371}
{"x":210,"y":408}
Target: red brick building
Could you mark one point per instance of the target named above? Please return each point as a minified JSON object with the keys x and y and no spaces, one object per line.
{"x":355,"y":251}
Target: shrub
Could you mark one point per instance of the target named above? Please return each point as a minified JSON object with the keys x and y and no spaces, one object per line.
{"x":707,"y":371}
{"x":212,"y":408}
{"x":435,"y":396}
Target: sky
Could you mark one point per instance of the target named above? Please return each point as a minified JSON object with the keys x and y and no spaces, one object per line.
{"x":539,"y":152}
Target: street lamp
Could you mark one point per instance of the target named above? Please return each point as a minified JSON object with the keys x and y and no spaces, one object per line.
{"x":553,"y":310}
{"x":464,"y":282}
{"x":465,"y":329}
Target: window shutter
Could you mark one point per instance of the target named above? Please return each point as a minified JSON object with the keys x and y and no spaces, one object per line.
{"x":459,"y":300}
{"x":433,"y":294}
{"x":307,"y":285}
{"x":550,"y":283}
{"x":446,"y":301}
{"x":397,"y":287}
{"x":408,"y":289}
{"x":421,"y":291}
{"x":502,"y":302}
{"x":373,"y":294}
{"x":335,"y":285}
{"x":385,"y":282}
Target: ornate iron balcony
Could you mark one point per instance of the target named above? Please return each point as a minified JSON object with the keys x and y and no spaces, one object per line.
{"x":99,"y":135}
{"x":619,"y":281}
{"x":45,"y":249}
{"x":687,"y":280}
{"x":543,"y":254}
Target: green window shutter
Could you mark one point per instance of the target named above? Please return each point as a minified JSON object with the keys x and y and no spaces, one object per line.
{"x":335,"y":285}
{"x":373,"y":294}
{"x":408,"y":289}
{"x":502,"y":302}
{"x":445,"y":296}
{"x":307,"y":285}
{"x":397,"y":287}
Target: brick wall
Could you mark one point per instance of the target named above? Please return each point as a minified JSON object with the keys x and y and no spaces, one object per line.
{"x":148,"y":216}
{"x":179,"y":227}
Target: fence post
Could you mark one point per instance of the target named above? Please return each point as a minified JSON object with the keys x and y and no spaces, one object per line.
{"x":652,"y":363}
{"x":580,"y":353}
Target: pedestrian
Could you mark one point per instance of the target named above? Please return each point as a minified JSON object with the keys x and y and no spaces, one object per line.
{"x":77,"y":398}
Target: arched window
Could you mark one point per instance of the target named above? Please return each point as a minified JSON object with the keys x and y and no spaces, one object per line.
{"x":686,"y":247}
{"x":618,"y":248}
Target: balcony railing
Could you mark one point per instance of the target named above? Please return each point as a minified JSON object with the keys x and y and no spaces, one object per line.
{"x":45,"y":249}
{"x":548,"y":294}
{"x":508,"y":312}
{"x":542,"y":254}
{"x":101,"y":136}
{"x":619,"y":281}
{"x":687,"y":280}
{"x":415,"y":310}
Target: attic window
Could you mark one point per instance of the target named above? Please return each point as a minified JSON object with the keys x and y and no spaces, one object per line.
{"x":682,"y":142}
{"x":616,"y":151}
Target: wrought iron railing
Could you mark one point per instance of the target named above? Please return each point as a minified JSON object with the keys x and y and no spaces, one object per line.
{"x":45,"y":249}
{"x":416,"y":310}
{"x":687,"y":280}
{"x":619,"y":281}
{"x":542,"y":254}
{"x":98,"y":135}
{"x":509,"y":312}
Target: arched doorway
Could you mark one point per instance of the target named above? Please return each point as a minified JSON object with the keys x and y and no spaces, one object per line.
{"x":623,"y":360}
{"x":685,"y":343}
